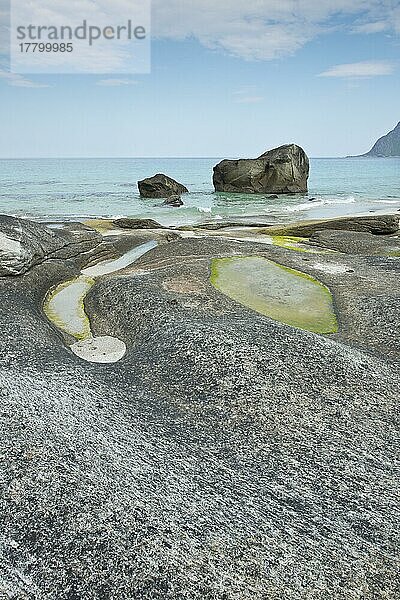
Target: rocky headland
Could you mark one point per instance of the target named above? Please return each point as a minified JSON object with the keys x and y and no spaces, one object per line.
{"x":244,"y":445}
{"x":386,"y":146}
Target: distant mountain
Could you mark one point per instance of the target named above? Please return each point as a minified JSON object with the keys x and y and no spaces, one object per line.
{"x":388,"y":145}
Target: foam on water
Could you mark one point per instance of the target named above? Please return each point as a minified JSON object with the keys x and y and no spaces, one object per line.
{"x":312,"y":204}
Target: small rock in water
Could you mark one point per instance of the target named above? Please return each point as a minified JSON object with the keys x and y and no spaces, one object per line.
{"x":161,"y":186}
{"x":174,"y":201}
{"x":103,"y":350}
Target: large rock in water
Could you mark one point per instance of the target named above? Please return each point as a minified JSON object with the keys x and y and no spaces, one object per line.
{"x":388,"y":145}
{"x":161,"y":186}
{"x":284,"y":170}
{"x":24,"y":244}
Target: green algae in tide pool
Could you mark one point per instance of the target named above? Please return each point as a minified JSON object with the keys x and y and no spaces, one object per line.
{"x":290,"y":242}
{"x":283,"y":294}
{"x":297,"y":244}
{"x":64,"y":307}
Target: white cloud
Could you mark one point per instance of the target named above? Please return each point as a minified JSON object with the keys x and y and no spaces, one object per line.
{"x":265,"y":29}
{"x":256,"y":30}
{"x":259,"y":29}
{"x":116,"y":82}
{"x":368,"y":28}
{"x":114,"y":55}
{"x":372,"y":68}
{"x":19,"y":81}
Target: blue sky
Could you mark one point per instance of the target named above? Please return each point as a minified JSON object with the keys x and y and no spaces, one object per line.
{"x":229,"y":80}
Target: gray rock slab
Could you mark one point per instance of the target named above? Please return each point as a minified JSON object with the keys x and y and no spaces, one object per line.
{"x":225,"y":456}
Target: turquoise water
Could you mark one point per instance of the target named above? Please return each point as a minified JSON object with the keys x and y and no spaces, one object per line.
{"x":79,"y":188}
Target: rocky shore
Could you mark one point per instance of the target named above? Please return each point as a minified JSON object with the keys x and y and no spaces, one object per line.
{"x":234,"y":452}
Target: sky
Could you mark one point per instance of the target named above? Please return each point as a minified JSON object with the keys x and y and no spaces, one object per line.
{"x":229,"y":78}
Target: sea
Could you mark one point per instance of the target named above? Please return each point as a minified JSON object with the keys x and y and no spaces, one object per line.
{"x":80,"y":189}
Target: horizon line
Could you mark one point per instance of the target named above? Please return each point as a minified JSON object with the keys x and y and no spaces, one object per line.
{"x":165,"y":157}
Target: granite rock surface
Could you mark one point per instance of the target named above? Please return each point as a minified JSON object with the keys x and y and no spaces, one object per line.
{"x":227,"y":456}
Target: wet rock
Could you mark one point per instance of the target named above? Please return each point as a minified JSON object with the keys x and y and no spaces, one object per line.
{"x":225,"y":225}
{"x":172,"y":237}
{"x":137,"y":224}
{"x":378,"y":225}
{"x":283,"y":170}
{"x":24,"y":244}
{"x":161,"y":186}
{"x":174,"y":201}
{"x":353,"y":242}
